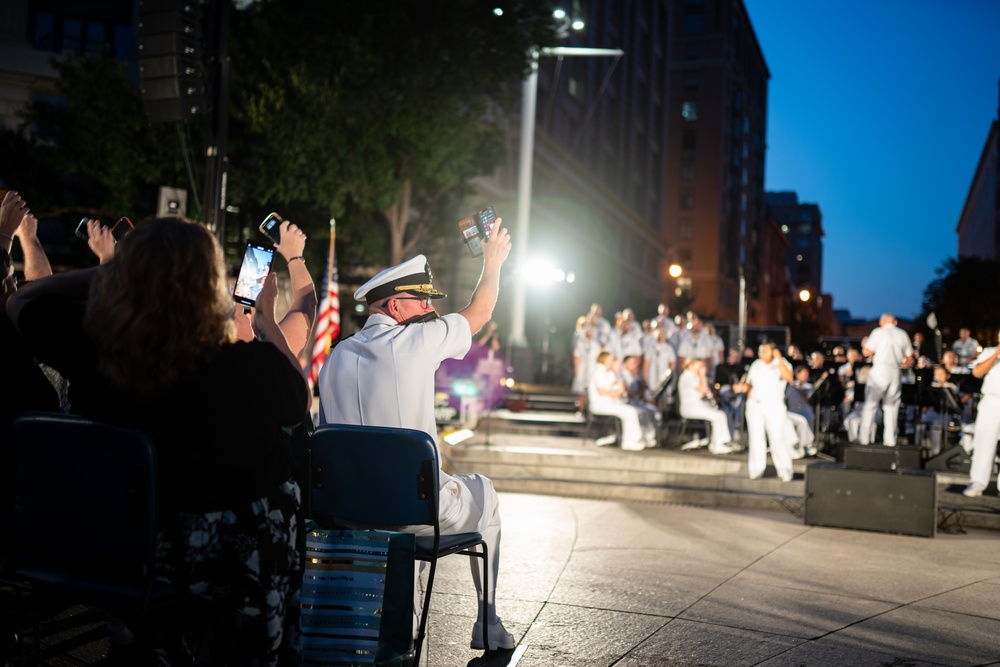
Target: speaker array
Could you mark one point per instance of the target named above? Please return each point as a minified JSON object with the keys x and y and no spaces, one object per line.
{"x":170,"y":59}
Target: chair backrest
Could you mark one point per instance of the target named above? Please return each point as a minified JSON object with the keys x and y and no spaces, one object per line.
{"x":373,"y":477}
{"x":86,"y":493}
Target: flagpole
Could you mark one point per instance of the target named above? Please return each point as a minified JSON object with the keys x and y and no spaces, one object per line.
{"x":323,"y":327}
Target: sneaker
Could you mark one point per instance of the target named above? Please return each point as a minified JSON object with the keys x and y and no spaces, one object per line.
{"x":498,"y":637}
{"x":973,"y":490}
{"x":786,"y":478}
{"x":720,"y":449}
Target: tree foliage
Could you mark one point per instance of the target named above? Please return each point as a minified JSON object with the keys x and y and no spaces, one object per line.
{"x":382,"y":109}
{"x":964,"y":296}
{"x":96,"y":143}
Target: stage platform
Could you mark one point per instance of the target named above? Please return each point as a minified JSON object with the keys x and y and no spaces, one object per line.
{"x":547,"y":452}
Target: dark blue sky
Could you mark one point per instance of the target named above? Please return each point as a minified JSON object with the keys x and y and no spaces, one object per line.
{"x":878,"y":111}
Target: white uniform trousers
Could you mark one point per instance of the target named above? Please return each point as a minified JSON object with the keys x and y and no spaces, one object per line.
{"x":766,"y":426}
{"x":720,"y":422}
{"x":883,"y":387}
{"x":798,"y":432}
{"x":468,"y":504}
{"x":633,"y":435}
{"x":984,"y":439}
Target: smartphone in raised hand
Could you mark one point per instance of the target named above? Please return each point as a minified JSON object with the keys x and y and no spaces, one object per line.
{"x":254,"y":268}
{"x":271,"y":227}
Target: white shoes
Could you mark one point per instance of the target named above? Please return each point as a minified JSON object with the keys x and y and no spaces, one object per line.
{"x":720,"y":449}
{"x":973,"y":490}
{"x":498,"y":637}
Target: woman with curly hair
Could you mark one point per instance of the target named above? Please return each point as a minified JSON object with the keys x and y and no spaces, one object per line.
{"x":148,"y":341}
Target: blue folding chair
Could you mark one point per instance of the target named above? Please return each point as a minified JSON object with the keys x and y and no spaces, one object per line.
{"x":85,"y":519}
{"x":382,"y":478}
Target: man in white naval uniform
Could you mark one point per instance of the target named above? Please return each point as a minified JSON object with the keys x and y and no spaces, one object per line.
{"x":890,"y":350}
{"x":767,"y":413}
{"x":987,"y":429}
{"x":383,"y":375}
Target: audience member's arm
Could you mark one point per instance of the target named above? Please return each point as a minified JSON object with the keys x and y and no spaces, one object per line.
{"x":264,"y":325}
{"x":36,"y":262}
{"x":484,"y":298}
{"x":267,"y":329}
{"x":12,"y":210}
{"x":70,"y":284}
{"x":298,"y":321}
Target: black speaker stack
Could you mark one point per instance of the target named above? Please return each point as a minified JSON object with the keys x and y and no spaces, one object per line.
{"x":171,"y":68}
{"x":876,"y":488}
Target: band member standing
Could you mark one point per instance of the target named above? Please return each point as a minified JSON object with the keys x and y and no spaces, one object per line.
{"x":890,"y":350}
{"x":984,"y":439}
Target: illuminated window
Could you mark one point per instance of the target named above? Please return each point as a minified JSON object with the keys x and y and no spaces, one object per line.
{"x":689,"y":110}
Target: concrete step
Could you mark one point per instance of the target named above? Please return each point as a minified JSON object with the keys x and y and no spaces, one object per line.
{"x":574,"y":466}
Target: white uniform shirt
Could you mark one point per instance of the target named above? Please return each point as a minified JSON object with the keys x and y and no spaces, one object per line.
{"x":889,"y":345}
{"x":631,"y":341}
{"x":965,"y":350}
{"x":767,"y":387}
{"x":700,"y":347}
{"x":603,"y":378}
{"x":687,"y":390}
{"x":662,"y":358}
{"x":991,"y":381}
{"x":384,"y":374}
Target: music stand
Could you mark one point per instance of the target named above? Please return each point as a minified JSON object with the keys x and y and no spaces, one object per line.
{"x":942,"y":399}
{"x":827,"y":392}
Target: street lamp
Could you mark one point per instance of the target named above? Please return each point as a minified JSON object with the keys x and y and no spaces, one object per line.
{"x":529,"y":97}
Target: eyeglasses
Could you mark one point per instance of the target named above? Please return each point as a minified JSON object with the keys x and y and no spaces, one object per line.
{"x":425,"y":299}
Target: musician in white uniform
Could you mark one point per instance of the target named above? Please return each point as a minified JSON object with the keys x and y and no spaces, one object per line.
{"x":987,"y":429}
{"x":384,"y":376}
{"x":695,"y":395}
{"x":890,"y":350}
{"x":767,"y":413}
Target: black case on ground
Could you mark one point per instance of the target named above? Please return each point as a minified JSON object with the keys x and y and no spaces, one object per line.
{"x":902,"y":502}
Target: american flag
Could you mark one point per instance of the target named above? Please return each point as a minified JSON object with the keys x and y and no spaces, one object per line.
{"x":328,"y":319}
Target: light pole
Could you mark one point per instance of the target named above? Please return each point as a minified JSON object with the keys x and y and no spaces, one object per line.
{"x":546,"y":277}
{"x":529,"y":96}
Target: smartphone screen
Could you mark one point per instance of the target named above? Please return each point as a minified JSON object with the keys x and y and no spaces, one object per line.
{"x":254,"y":268}
{"x":470,"y":236}
{"x":121,"y":228}
{"x":485,"y":220}
{"x":81,"y":229}
{"x":271,"y":227}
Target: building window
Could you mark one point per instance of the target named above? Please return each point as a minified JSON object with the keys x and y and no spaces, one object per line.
{"x":57,"y":33}
{"x":691,"y":51}
{"x":690,"y":82}
{"x":689,"y":110}
{"x":684,"y":229}
{"x":685,"y":257}
{"x":694,"y":25}
{"x":687,"y":199}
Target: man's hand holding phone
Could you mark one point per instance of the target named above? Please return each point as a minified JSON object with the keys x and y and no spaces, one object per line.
{"x":497,"y":248}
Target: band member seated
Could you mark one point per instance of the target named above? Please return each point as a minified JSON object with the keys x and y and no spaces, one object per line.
{"x":607,"y":395}
{"x":697,"y":402}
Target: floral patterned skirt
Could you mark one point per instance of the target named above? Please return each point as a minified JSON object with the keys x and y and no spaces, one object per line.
{"x":247,"y":561}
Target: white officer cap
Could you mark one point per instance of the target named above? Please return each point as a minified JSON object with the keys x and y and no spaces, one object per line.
{"x":413,"y":276}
